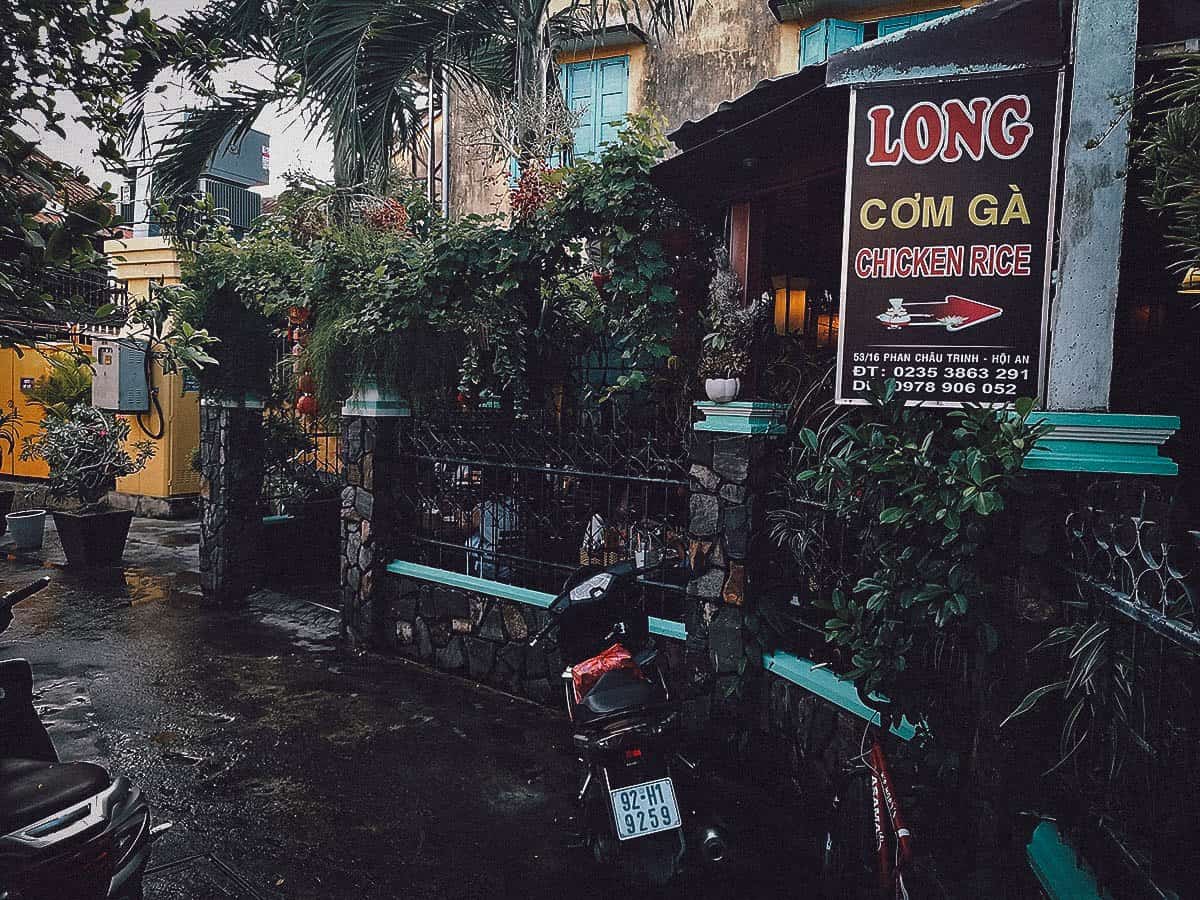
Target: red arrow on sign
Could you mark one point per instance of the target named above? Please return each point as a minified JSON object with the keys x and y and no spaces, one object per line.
{"x":954,"y":313}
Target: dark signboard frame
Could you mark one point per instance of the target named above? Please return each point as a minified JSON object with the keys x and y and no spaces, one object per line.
{"x":999,"y":359}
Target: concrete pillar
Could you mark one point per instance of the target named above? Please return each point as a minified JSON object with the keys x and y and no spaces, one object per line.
{"x":1094,"y":183}
{"x":231,"y":463}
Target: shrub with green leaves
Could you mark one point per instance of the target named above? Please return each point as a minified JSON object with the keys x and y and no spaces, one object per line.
{"x":87,"y":450}
{"x":893,"y":509}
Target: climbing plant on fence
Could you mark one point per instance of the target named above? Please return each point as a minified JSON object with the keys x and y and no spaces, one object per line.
{"x":891,"y":511}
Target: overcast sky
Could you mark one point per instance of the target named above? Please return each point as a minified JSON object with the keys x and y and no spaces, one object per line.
{"x":291,"y":144}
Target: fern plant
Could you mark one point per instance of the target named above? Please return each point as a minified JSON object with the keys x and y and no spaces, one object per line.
{"x":68,"y":383}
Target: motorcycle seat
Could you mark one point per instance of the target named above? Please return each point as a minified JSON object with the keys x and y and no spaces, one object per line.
{"x":30,"y":789}
{"x":617,"y":691}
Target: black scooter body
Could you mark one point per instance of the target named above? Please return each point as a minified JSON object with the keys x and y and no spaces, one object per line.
{"x":627,"y":727}
{"x":67,"y":830}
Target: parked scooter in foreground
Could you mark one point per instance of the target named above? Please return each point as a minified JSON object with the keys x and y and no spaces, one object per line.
{"x":67,"y":830}
{"x":626,"y":731}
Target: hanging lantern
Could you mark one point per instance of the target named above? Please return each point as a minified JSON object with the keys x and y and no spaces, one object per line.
{"x":306,"y":405}
{"x":306,"y":384}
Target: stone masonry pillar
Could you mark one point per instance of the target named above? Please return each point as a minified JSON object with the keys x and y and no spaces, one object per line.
{"x":231,"y":463}
{"x":371,"y":520}
{"x":732,"y":464}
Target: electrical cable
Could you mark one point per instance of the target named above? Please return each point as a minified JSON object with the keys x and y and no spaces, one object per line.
{"x":153,"y":392}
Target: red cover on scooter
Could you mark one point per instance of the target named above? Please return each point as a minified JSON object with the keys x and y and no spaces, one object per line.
{"x":587,"y":673}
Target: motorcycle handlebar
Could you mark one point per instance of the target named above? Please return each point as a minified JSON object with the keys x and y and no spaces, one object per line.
{"x":12,"y":598}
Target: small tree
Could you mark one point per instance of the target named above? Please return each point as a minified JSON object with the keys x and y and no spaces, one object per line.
{"x":86,"y":452}
{"x":49,"y":50}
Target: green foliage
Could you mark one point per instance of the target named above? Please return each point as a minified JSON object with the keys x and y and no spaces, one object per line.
{"x":479,"y":305}
{"x":733,"y":328}
{"x":53,"y":51}
{"x":1167,"y":152}
{"x":1111,"y":714}
{"x":497,"y":301}
{"x":86,"y":451}
{"x":375,"y":319}
{"x":68,"y":383}
{"x":895,"y":507}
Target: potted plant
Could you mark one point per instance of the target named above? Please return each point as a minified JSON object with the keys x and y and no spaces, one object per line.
{"x":733,"y":329}
{"x":8,"y":437}
{"x":87,"y":451}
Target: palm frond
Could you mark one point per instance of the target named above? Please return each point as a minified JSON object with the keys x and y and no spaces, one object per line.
{"x":204,"y":133}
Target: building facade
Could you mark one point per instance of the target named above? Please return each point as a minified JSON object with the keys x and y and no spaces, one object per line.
{"x":727,"y":48}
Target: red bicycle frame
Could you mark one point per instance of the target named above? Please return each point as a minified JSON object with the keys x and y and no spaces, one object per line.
{"x":883,"y":798}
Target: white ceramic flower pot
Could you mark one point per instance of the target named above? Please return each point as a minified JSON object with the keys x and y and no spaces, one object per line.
{"x":27,"y":528}
{"x":722,"y":390}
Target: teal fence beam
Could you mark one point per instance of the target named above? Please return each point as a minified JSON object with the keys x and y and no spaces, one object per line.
{"x":829,"y":686}
{"x":662,"y":627}
{"x":1057,"y":866}
{"x":803,"y":672}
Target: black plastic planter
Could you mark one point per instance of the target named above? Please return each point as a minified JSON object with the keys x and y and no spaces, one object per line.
{"x":93,"y":539}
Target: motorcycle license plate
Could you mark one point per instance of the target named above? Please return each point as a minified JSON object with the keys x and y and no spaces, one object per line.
{"x":643,"y":809}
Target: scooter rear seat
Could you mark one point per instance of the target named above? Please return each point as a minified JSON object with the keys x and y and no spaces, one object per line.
{"x":30,"y":789}
{"x":617,"y":691}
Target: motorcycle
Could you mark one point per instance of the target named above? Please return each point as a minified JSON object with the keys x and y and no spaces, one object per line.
{"x":67,"y":830}
{"x":626,"y":730}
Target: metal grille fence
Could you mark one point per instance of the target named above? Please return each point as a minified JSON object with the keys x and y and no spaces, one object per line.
{"x":520,"y":499}
{"x":1140,"y":653}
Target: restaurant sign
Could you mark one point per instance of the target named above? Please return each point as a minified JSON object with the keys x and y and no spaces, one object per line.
{"x":950,"y":192}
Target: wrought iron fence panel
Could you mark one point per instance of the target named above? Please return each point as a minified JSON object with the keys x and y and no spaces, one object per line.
{"x":1135,"y":575}
{"x":1129,"y":559}
{"x":526,"y":499}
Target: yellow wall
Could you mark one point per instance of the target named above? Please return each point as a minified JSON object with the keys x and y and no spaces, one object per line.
{"x":139,"y":262}
{"x":29,"y":364}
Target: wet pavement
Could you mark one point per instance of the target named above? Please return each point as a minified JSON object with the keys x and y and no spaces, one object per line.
{"x":292,"y":768}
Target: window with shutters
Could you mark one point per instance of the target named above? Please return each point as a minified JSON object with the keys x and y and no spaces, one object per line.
{"x":895,"y":24}
{"x":598,"y":90}
{"x":829,"y":36}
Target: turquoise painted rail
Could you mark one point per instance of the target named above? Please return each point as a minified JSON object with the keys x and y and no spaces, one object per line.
{"x":800,"y":671}
{"x":1057,"y":866}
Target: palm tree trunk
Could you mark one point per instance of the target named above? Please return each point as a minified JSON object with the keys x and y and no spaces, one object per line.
{"x":533,"y":61}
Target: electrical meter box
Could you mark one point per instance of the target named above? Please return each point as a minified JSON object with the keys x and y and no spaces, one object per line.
{"x":119,"y":383}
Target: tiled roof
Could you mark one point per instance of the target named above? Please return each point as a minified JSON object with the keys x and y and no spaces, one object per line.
{"x":72,"y":191}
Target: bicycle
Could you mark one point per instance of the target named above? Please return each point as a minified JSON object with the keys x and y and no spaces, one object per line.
{"x":868,"y":847}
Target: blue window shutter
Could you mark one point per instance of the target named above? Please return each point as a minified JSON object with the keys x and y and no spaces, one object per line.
{"x":581,"y":95}
{"x":894,"y":24}
{"x":812,"y":45}
{"x":818,"y":42}
{"x":612,"y":100}
{"x":843,"y":35}
{"x":936,"y":14}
